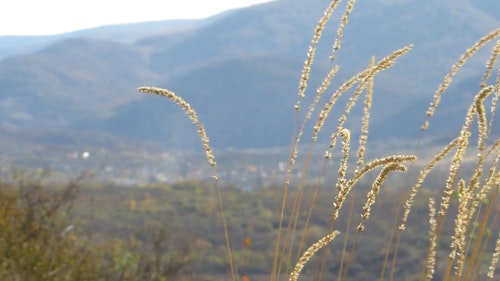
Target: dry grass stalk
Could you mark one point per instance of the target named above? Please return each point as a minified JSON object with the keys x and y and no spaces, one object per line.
{"x":494,"y":100}
{"x":374,"y":191}
{"x":340,"y":31}
{"x":319,"y":93}
{"x":423,"y":174}
{"x":458,"y":240}
{"x":329,"y":105}
{"x":190,"y":112}
{"x":346,"y":138}
{"x":304,"y":78}
{"x":457,"y":161}
{"x":481,"y":225}
{"x":344,"y":190}
{"x":454,"y":69}
{"x":482,"y":123}
{"x":491,"y":62}
{"x":481,"y":116}
{"x":208,"y":152}
{"x":471,"y":191}
{"x":350,"y":104}
{"x":491,"y":179}
{"x":303,"y":83}
{"x":365,"y":122}
{"x":361,"y":77}
{"x":431,"y":256}
{"x":453,"y":171}
{"x":309,"y":253}
{"x":494,"y":260}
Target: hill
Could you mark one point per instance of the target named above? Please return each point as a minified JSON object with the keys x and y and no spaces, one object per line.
{"x":240,"y":71}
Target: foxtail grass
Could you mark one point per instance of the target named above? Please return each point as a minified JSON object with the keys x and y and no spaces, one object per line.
{"x":472,"y":191}
{"x":209,"y":155}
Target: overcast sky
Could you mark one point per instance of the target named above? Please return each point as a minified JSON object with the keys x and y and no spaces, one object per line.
{"x":43,"y":17}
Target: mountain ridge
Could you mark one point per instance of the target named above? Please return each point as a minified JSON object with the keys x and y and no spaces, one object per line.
{"x":240,"y":71}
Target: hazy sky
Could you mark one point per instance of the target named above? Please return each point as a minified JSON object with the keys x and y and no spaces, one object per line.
{"x":43,"y":17}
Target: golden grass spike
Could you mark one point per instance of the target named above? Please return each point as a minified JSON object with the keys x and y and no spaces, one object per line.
{"x":363,"y":76}
{"x":208,"y":152}
{"x":481,"y":116}
{"x":341,"y":196}
{"x":340,"y":31}
{"x":312,"y":50}
{"x":482,"y":137}
{"x":350,"y":104}
{"x":374,"y":191}
{"x":453,"y":171}
{"x":431,"y":255}
{"x":465,"y":134}
{"x":365,"y":121}
{"x":493,"y":150}
{"x":423,"y":174}
{"x":494,"y":260}
{"x":296,"y":136}
{"x":346,"y":138}
{"x":319,"y":93}
{"x":454,"y":69}
{"x":190,"y":112}
{"x":294,"y":276}
{"x":491,"y":62}
{"x":329,"y":105}
{"x":494,"y":102}
{"x":322,"y":89}
{"x":458,"y":244}
{"x":480,"y":229}
{"x":492,"y":177}
{"x":380,"y":162}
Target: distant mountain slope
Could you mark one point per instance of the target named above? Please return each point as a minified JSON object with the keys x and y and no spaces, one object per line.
{"x":70,"y":80}
{"x":124,"y":33}
{"x":240,"y":72}
{"x":243,"y":102}
{"x":281,"y":27}
{"x":405,"y":122}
